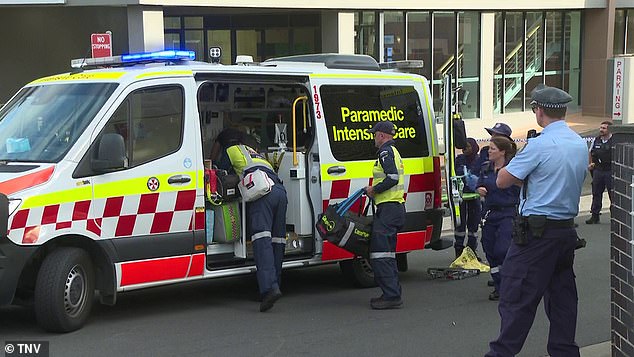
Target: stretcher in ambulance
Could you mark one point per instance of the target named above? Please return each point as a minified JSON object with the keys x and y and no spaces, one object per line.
{"x":103,"y":169}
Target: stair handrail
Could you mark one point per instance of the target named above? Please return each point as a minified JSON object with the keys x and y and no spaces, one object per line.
{"x":516,"y":49}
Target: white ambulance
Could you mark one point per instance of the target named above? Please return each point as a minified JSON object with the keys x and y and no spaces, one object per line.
{"x":102,"y":170}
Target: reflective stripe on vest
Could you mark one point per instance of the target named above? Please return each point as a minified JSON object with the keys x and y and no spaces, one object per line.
{"x":251,"y":161}
{"x":396,"y":192}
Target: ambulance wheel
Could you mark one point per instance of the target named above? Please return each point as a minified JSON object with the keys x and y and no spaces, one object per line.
{"x":401,"y":262}
{"x":64,"y":290}
{"x":359,"y":272}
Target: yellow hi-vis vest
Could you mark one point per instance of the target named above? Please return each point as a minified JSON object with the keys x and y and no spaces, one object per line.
{"x":243,"y":158}
{"x":396,"y":192}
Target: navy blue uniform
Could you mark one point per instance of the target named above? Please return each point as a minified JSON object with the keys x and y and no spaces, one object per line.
{"x":388,"y":220}
{"x":601,"y":153}
{"x":267,"y":229}
{"x":553,"y":167}
{"x":500,"y":207}
{"x":469,"y":209}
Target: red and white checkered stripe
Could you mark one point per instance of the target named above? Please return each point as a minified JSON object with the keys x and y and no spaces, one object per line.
{"x":109,"y":217}
{"x":419,"y":192}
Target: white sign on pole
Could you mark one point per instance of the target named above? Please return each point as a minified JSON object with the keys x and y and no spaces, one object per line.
{"x":617,"y":91}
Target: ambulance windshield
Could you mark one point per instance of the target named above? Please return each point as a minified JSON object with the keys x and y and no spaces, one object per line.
{"x":42,"y":123}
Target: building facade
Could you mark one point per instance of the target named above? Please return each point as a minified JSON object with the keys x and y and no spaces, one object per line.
{"x":496,"y":51}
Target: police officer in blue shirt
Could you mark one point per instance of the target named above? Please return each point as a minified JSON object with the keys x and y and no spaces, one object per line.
{"x":539,"y":263}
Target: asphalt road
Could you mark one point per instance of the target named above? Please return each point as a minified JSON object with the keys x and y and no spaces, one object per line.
{"x":320,"y":314}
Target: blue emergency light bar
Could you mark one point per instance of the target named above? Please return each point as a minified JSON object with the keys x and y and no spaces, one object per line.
{"x":132,"y":58}
{"x":170,"y":55}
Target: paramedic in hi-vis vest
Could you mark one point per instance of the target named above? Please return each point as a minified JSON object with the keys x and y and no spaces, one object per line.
{"x":266,"y":215}
{"x":387,"y":192}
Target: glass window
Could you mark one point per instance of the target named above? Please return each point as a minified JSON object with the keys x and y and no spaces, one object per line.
{"x":172,"y":23}
{"x":443,"y":52}
{"x":619,"y":32}
{"x":365,"y":33}
{"x":469,"y":63}
{"x":194,"y":41}
{"x":534,"y":52}
{"x":393,"y":36}
{"x":194,"y":22}
{"x":572,"y":56}
{"x":172,"y":41}
{"x":248,"y":42}
{"x":554,"y":55}
{"x":498,"y":59}
{"x":40,"y":124}
{"x":151,"y":123}
{"x":419,"y":39}
{"x":351,"y":110}
{"x":304,"y":40}
{"x":629,"y":36}
{"x":277,"y":42}
{"x":513,"y":62}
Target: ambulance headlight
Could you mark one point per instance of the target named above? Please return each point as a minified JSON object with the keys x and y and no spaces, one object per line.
{"x":215,"y":53}
{"x":14,"y":203}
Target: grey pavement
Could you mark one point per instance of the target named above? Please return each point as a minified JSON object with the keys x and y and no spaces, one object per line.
{"x":602,"y":349}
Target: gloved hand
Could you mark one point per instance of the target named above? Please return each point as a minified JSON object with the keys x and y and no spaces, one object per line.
{"x":471,"y":180}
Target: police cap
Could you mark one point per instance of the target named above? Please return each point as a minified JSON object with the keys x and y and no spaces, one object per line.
{"x":500,"y":129}
{"x":384,"y":127}
{"x":549,"y":97}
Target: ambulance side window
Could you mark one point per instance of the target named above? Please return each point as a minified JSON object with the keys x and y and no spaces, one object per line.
{"x":351,"y":110}
{"x":150,"y":120}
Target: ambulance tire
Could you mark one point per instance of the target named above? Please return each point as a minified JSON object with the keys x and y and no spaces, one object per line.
{"x":359,"y":272}
{"x":401,"y":262}
{"x":64,"y":290}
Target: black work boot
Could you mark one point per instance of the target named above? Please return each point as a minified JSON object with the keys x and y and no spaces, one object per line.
{"x":269,"y":299}
{"x":593,"y":220}
{"x":494,"y":295}
{"x":384,"y":304}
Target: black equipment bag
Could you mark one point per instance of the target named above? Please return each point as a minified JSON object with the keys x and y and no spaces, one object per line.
{"x":459,"y":134}
{"x":228,"y":185}
{"x":351,"y":231}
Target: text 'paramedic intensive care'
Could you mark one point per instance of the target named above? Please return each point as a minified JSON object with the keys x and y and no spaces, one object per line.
{"x":370,"y":116}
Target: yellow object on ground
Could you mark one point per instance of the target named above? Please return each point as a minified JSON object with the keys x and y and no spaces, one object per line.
{"x":468,"y":260}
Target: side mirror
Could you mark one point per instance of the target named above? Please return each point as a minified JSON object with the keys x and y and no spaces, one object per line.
{"x":111,"y":153}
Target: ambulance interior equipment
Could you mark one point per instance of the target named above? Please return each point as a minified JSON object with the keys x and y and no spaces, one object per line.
{"x":269,"y":113}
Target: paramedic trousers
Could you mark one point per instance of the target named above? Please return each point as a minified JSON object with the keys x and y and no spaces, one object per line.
{"x":470,"y":210}
{"x":541,"y":268}
{"x":496,"y":240}
{"x":388,"y":219}
{"x":267,"y":229}
{"x":601,"y":181}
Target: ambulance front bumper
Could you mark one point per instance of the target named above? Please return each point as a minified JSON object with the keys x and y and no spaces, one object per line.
{"x":12,"y":260}
{"x":12,"y":257}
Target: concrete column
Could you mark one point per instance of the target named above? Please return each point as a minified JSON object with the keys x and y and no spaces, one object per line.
{"x":598,"y":35}
{"x":487,"y":47}
{"x":337,"y":32}
{"x":145,"y":28}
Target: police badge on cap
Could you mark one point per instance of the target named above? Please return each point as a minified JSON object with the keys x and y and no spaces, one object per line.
{"x":549,"y":97}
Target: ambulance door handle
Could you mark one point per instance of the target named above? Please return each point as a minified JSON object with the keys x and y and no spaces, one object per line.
{"x":336,"y":170}
{"x":178,"y":179}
